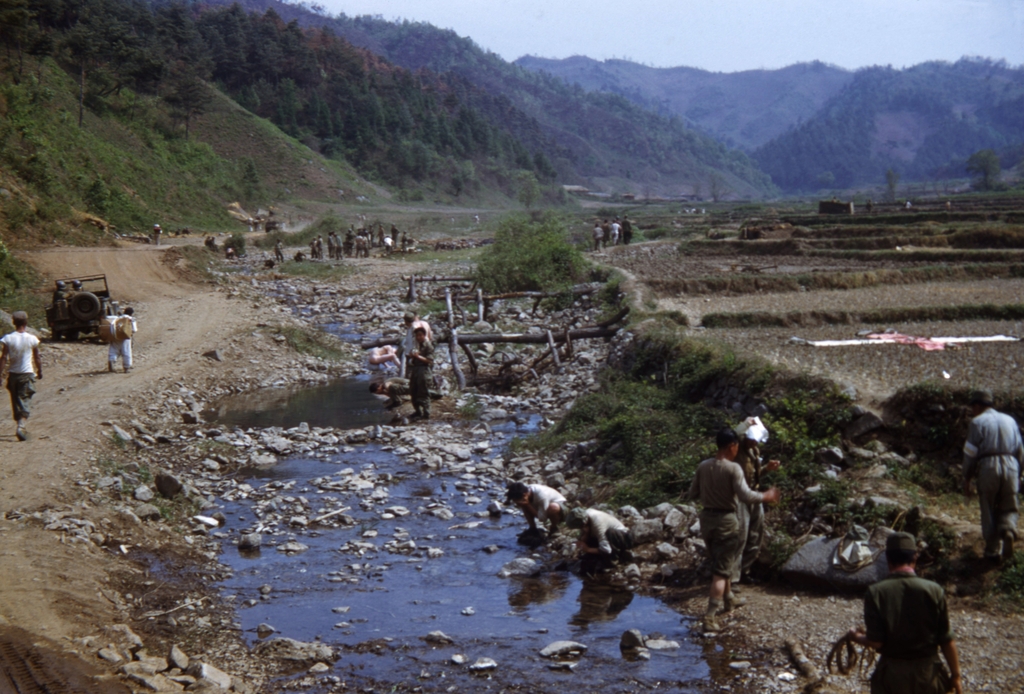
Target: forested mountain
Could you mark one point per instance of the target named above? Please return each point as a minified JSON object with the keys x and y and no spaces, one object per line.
{"x":742,"y":109}
{"x":923,"y":122}
{"x":601,"y":139}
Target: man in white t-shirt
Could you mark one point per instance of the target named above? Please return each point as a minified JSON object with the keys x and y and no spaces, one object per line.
{"x":21,"y":350}
{"x":538,"y":503}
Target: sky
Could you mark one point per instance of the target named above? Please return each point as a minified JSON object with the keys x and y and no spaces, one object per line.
{"x":725,"y":35}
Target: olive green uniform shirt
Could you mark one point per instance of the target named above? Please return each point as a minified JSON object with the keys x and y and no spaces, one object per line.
{"x":908,"y":616}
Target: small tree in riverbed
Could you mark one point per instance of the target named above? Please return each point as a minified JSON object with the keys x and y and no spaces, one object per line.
{"x":530,"y":256}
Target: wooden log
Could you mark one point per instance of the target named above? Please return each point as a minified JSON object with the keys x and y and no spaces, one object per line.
{"x":479,"y":304}
{"x":453,"y":353}
{"x":471,"y":359}
{"x":554,"y":350}
{"x":568,"y":345}
{"x":439,"y":278}
{"x":578,"y":290}
{"x":800,"y":659}
{"x":448,"y":303}
{"x":514,"y":338}
{"x":411,"y":296}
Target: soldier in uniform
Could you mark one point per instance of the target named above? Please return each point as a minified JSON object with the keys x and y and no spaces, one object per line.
{"x":405,"y":242}
{"x":394,"y":236}
{"x":60,"y":293}
{"x":421,"y":359}
{"x":350,"y":242}
{"x":908,"y":623}
{"x":380,"y":235}
{"x":627,"y":230}
{"x":720,"y":486}
{"x":993,"y":453}
{"x":752,"y":433}
{"x":279,"y":251}
{"x":330,"y":246}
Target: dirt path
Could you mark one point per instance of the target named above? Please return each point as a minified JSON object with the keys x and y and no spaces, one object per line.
{"x":55,"y":590}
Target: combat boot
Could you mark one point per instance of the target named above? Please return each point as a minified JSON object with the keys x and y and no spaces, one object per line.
{"x":710,"y":617}
{"x":1007,"y":545}
{"x":732,"y":601}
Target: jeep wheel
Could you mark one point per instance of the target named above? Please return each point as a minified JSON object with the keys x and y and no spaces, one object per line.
{"x":85,"y":306}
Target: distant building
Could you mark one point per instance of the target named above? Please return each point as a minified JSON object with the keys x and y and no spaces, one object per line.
{"x":835,"y":207}
{"x":576,"y":190}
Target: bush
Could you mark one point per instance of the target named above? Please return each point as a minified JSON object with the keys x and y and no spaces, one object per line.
{"x":237,"y":241}
{"x":1011,"y":581}
{"x":530,"y":255}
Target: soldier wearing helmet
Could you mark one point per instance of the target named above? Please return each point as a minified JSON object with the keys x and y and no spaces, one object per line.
{"x":156,"y":234}
{"x":60,"y":293}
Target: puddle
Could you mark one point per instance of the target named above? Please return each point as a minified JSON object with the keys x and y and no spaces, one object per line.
{"x":346,"y":404}
{"x":403,"y":597}
{"x":349,"y":332}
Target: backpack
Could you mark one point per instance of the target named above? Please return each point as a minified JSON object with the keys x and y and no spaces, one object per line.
{"x":123,"y":328}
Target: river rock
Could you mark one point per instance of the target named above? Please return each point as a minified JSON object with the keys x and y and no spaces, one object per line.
{"x":319,"y":669}
{"x":867,"y":422}
{"x":208,"y":674}
{"x":660,"y":644}
{"x":647,"y":530}
{"x":659,"y":511}
{"x":167,"y":485}
{"x":560,"y":648}
{"x":483,"y":664}
{"x":263,"y":630}
{"x":674,"y":520}
{"x":143,"y":493}
{"x":293,"y":547}
{"x":811,"y":566}
{"x":283,"y":648}
{"x":832,"y":455}
{"x":177,"y":658}
{"x":666,"y":550}
{"x":631,"y":640}
{"x":632,"y":572}
{"x":438,"y":637}
{"x":147,"y":512}
{"x":121,"y":433}
{"x":523,"y":566}
{"x":250,"y":541}
{"x":262,"y":459}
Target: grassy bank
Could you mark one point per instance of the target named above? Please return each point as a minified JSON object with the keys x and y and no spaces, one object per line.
{"x":882,"y":315}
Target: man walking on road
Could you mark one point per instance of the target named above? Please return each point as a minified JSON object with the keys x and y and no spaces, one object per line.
{"x":122,"y":328}
{"x":993,"y":452}
{"x":21,"y":350}
{"x":908,"y":623}
{"x":720,"y":486}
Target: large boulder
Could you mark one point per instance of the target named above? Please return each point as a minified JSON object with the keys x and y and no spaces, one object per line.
{"x":811,"y":567}
{"x":645,"y":531}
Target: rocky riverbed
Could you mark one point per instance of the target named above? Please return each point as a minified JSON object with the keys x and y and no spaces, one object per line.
{"x":294,"y":557}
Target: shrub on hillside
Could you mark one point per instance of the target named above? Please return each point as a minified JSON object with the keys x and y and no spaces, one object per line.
{"x":237,"y":241}
{"x":530,"y":254}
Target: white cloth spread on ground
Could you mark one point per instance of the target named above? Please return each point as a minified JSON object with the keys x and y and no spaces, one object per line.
{"x":929,"y":344}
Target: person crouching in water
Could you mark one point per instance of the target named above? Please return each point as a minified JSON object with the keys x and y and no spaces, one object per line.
{"x":421,"y":359}
{"x":603,"y":539}
{"x":537,"y":502}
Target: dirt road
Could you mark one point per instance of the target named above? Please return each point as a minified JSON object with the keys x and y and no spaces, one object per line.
{"x":50,"y":589}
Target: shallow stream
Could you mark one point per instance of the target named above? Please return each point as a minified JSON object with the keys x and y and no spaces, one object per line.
{"x":376,"y":604}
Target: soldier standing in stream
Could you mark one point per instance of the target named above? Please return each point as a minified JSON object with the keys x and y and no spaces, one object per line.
{"x":21,"y":350}
{"x":421,"y":359}
{"x":993,"y":453}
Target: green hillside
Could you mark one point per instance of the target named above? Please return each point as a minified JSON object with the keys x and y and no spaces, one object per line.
{"x":603,"y":140}
{"x":742,"y":109}
{"x":923,"y":122}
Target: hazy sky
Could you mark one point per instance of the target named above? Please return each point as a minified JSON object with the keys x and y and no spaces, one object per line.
{"x":725,"y":35}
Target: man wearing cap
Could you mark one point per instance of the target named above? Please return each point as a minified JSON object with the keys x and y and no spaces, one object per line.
{"x":408,"y":344}
{"x":721,"y":488}
{"x":21,"y":349}
{"x":993,"y":452}
{"x":538,"y":502}
{"x":752,"y":433}
{"x":603,"y":538}
{"x":908,"y":623}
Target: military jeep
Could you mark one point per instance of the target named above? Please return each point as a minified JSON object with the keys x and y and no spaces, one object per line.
{"x":80,"y":312}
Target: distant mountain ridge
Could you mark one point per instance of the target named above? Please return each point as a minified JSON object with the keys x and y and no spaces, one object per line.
{"x":602,"y":140}
{"x":742,"y":109}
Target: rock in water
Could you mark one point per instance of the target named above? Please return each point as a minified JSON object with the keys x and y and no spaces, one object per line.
{"x":631,"y":640}
{"x":250,"y":541}
{"x":483,"y":664}
{"x":283,"y":648}
{"x":522,"y":566}
{"x":560,"y":648}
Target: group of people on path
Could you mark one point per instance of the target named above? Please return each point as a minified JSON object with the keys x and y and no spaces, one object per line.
{"x":612,"y":233}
